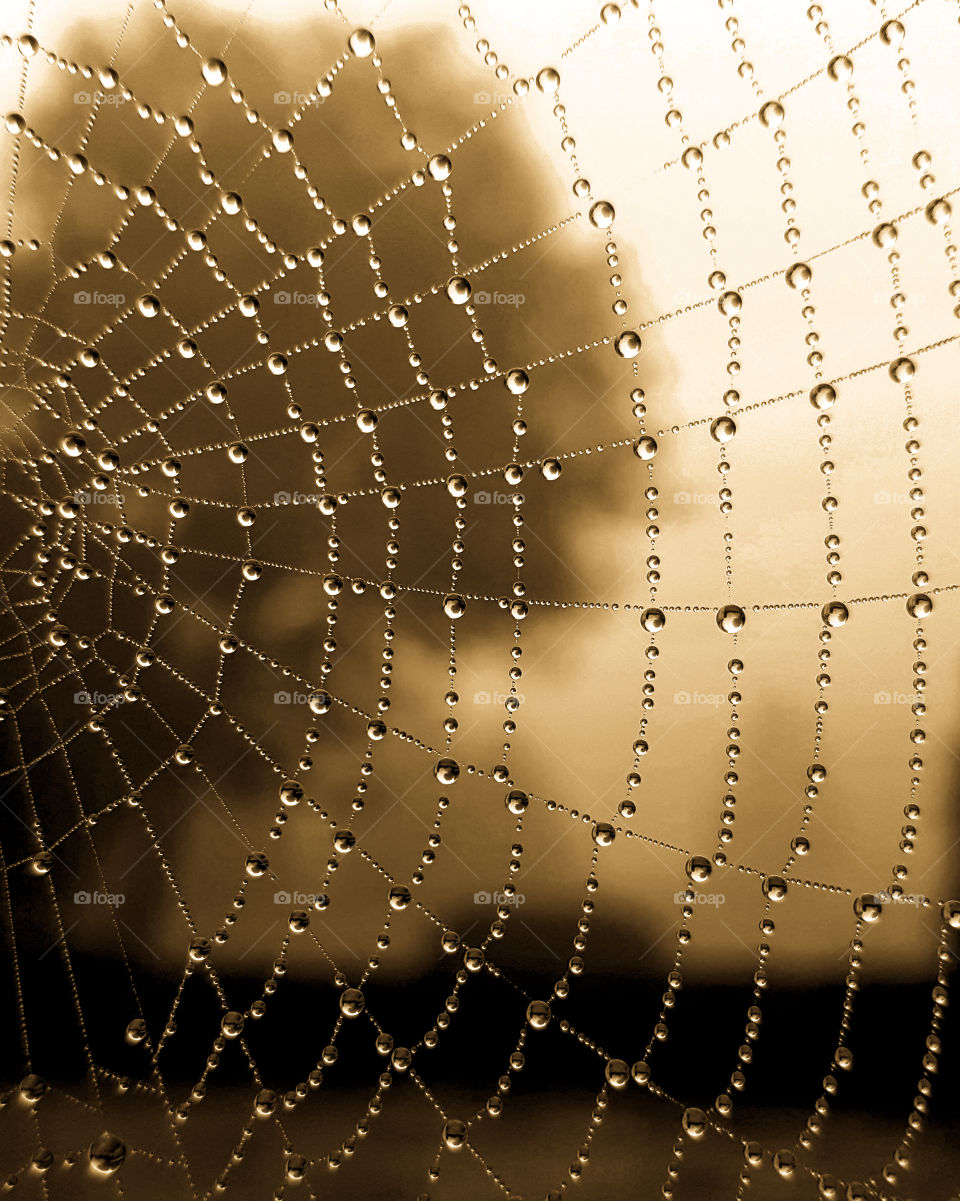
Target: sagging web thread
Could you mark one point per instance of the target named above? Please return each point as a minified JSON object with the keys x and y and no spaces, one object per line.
{"x":43,"y":644}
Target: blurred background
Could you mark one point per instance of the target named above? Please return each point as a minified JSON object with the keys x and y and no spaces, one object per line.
{"x":106,"y":697}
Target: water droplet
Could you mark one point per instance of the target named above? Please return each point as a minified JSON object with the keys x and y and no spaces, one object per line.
{"x":136,"y":1031}
{"x":257,"y":865}
{"x":439,"y":167}
{"x":352,"y":1002}
{"x":361,"y":43}
{"x":454,"y":1135}
{"x":320,"y":702}
{"x":645,"y":448}
{"x":447,"y":771}
{"x":730,"y":303}
{"x":938,"y":211}
{"x":694,"y":1122}
{"x":603,"y":834}
{"x":602,"y":214}
{"x":231,"y":1024}
{"x":617,"y":1073}
{"x":33,"y":1088}
{"x":214,"y":71}
{"x":868,"y":907}
{"x":723,"y":429}
{"x":550,"y":469}
{"x":785,"y":1163}
{"x":106,"y":1153}
{"x":919,"y":605}
{"x":698,"y":868}
{"x":199,"y":949}
{"x":731,"y":619}
{"x":73,"y":444}
{"x":517,"y":381}
{"x":823,"y":397}
{"x":454,"y":605}
{"x":516,"y":801}
{"x":458,"y":289}
{"x":627,"y":344}
{"x":840,"y":68}
{"x":835,"y":613}
{"x":902,"y":370}
{"x":799,"y":275}
{"x":885,"y":235}
{"x":548,"y":80}
{"x":538,"y":1015}
{"x":774,"y":887}
{"x":291,"y":792}
{"x":653,"y":620}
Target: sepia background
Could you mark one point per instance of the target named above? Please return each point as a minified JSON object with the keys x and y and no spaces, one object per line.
{"x":77,"y":742}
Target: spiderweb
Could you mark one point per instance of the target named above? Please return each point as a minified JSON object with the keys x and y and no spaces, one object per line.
{"x":333,"y":655}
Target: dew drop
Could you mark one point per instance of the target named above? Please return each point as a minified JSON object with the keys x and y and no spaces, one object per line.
{"x":602,"y":214}
{"x":823,"y":397}
{"x":106,"y":1153}
{"x":361,"y":43}
{"x":698,"y":868}
{"x":538,"y":1015}
{"x":548,"y":80}
{"x":694,"y":1122}
{"x":214,"y":71}
{"x":919,"y":605}
{"x":627,"y":344}
{"x":517,"y":381}
{"x":454,"y":605}
{"x":458,"y":289}
{"x":835,"y":613}
{"x":447,"y":771}
{"x":731,"y":619}
{"x":454,"y":1135}
{"x":352,"y":1002}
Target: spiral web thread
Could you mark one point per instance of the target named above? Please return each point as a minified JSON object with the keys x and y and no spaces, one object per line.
{"x":64,"y":449}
